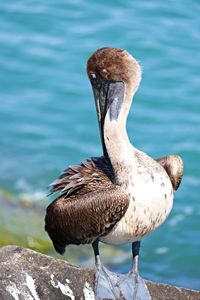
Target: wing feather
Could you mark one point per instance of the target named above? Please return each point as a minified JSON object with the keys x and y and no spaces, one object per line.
{"x":72,"y":180}
{"x":173,"y":165}
{"x":83,"y":218}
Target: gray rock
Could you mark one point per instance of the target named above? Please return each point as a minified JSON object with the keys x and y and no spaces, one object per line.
{"x":26,"y":274}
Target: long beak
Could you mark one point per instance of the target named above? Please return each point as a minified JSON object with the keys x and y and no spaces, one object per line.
{"x":108,"y":96}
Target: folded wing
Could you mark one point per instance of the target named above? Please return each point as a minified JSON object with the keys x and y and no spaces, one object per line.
{"x":173,"y":165}
{"x":89,"y":205}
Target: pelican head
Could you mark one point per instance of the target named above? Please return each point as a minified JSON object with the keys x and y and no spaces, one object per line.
{"x":115,"y":76}
{"x":114,"y":64}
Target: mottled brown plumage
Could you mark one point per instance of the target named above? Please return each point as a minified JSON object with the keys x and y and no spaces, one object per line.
{"x":88,"y":207}
{"x":91,"y":174}
{"x":173,"y":165}
{"x":87,"y":194}
{"x":112,"y":64}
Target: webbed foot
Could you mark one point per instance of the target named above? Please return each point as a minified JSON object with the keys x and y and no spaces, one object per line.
{"x":109,"y":285}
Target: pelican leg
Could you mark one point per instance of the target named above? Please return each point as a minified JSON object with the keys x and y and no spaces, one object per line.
{"x":104,"y":288}
{"x":140,"y":288}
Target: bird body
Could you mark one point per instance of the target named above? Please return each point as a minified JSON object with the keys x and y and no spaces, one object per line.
{"x":150,"y":195}
{"x":124,"y":195}
{"x":147,"y":198}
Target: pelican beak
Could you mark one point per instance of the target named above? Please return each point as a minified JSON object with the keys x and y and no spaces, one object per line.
{"x":108,"y":97}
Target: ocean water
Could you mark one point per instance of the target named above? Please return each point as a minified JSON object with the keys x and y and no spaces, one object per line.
{"x":48,"y":118}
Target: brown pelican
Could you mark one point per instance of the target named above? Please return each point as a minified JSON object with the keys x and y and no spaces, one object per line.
{"x":120,"y":197}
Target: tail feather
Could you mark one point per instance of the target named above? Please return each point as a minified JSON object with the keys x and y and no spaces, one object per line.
{"x":59,"y":247}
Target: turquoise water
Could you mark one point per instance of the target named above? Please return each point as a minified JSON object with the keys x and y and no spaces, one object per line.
{"x":48,"y":118}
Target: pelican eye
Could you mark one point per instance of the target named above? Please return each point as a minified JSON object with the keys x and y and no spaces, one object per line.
{"x":93,"y":75}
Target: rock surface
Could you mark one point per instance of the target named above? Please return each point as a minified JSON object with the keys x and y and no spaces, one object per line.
{"x":29,"y":275}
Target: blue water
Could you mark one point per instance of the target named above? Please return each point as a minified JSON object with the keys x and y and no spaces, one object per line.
{"x":48,"y":118}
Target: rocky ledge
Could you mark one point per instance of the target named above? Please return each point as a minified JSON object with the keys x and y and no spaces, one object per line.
{"x":29,"y":275}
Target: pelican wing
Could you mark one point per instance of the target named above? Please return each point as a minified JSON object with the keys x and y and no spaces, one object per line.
{"x":83,"y":218}
{"x":173,"y":165}
{"x":89,"y":204}
{"x":91,"y":174}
